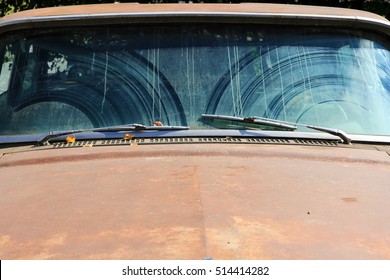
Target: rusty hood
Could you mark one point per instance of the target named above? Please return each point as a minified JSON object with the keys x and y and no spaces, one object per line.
{"x":195,"y":201}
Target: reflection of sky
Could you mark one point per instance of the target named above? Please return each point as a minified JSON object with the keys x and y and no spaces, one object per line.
{"x":5,"y":76}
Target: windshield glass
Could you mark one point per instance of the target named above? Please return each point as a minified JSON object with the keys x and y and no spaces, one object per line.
{"x":101,"y":76}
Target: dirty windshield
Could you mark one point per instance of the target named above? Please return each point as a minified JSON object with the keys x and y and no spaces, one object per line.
{"x":58,"y":79}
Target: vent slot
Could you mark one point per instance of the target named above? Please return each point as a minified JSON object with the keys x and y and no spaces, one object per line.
{"x":315,"y":142}
{"x":189,"y":140}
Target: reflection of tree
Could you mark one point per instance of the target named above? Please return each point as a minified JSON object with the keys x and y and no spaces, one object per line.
{"x":381,"y":7}
{"x":109,"y":89}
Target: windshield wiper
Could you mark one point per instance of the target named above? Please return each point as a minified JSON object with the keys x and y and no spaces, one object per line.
{"x":117,"y":128}
{"x":334,"y":131}
{"x":282,"y":124}
{"x":252,"y":120}
{"x":135,"y":126}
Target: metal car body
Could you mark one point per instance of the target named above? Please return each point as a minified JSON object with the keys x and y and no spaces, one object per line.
{"x":108,"y":181}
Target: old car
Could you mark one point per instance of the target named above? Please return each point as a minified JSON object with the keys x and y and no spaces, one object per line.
{"x":194,"y":131}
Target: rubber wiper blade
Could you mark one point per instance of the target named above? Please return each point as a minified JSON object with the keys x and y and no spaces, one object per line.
{"x":252,"y":120}
{"x":117,"y":128}
{"x":132,"y":127}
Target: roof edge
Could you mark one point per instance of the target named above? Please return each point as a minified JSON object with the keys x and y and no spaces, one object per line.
{"x":256,"y":8}
{"x":155,"y":13}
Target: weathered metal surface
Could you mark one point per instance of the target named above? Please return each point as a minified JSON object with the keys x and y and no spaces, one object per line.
{"x":195,"y":201}
{"x":178,"y":13}
{"x":195,"y":8}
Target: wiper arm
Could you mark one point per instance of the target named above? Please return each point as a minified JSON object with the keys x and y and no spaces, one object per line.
{"x":252,"y":120}
{"x":333,"y":131}
{"x":127,"y":127}
{"x":336,"y":132}
{"x":54,"y":134}
{"x":282,"y":124}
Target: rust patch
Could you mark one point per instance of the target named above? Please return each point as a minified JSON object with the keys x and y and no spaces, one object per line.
{"x":44,"y":248}
{"x":242,"y":204}
{"x":379,"y":247}
{"x":250,"y":238}
{"x":349,"y":199}
{"x":4,"y":241}
{"x":126,"y":243}
{"x":50,"y":156}
{"x":176,"y":8}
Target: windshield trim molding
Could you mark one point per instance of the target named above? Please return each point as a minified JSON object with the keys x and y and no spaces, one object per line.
{"x":21,"y":23}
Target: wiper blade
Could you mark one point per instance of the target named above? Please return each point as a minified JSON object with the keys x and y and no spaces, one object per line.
{"x":132,"y":127}
{"x":252,"y":120}
{"x":118,"y":128}
{"x":282,"y":124}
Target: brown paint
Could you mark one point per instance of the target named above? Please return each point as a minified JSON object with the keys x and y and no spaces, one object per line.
{"x":223,"y":201}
